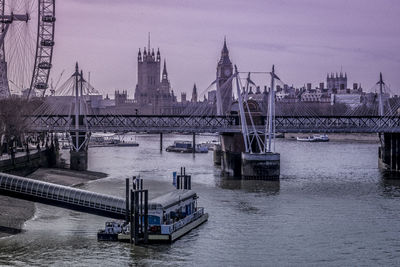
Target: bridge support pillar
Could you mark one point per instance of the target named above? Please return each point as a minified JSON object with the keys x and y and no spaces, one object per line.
{"x":79,"y":152}
{"x":194,"y":143}
{"x":161,"y":141}
{"x":232,"y":145}
{"x":217,"y":155}
{"x":236,"y":163}
{"x":389,"y":153}
{"x":261,"y":166}
{"x":78,"y":160}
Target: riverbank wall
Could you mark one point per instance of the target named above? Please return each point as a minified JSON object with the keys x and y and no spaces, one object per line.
{"x":25,"y":163}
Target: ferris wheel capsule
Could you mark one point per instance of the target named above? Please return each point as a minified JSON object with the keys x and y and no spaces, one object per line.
{"x":41,"y":85}
{"x":49,"y":18}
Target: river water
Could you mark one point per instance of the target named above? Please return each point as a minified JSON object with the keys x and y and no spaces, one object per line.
{"x":331,"y":207}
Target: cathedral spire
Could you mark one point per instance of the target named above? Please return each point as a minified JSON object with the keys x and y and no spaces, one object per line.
{"x":164,"y":72}
{"x":139,"y":55}
{"x":194,"y":93}
{"x":225,"y":48}
{"x":225,"y":55}
{"x":148,"y":42}
{"x":158,"y":54}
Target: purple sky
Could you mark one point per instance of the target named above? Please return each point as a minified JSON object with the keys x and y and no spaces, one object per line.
{"x":305,"y":39}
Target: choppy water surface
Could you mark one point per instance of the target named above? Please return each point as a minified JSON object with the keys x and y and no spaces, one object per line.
{"x":331,"y":207}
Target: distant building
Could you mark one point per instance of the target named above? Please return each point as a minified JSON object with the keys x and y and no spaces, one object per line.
{"x":352,"y":100}
{"x":153,"y":92}
{"x":224,"y":72}
{"x":337,"y":82}
{"x":194,"y":94}
{"x":183,"y":97}
{"x":287,"y":94}
{"x":120,"y":98}
{"x":311,"y":95}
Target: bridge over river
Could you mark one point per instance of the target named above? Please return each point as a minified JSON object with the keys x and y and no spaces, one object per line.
{"x":247,"y":137}
{"x":211,"y":124}
{"x":62,"y":196}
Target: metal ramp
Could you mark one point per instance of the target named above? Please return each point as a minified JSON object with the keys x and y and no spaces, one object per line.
{"x":62,"y":196}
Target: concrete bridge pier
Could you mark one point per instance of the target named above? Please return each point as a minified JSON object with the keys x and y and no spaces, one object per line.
{"x":194,"y":144}
{"x":261,"y":166}
{"x":217,"y":155}
{"x":248,"y":166}
{"x":161,"y":142}
{"x":79,"y":152}
{"x":389,"y":153}
{"x":232,"y":145}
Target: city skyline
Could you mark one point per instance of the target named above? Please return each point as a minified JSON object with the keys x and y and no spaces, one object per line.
{"x":304,"y":40}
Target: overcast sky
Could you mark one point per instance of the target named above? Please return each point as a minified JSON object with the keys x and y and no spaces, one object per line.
{"x":305,"y":39}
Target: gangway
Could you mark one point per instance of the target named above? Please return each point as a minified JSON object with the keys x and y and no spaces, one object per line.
{"x":62,"y":196}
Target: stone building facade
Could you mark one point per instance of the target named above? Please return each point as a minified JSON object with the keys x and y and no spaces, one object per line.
{"x":153,"y":91}
{"x":224,"y":87}
{"x":337,"y":82}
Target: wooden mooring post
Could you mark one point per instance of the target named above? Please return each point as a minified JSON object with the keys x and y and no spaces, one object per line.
{"x":194,"y":143}
{"x":161,"y":141}
{"x":139,"y":213}
{"x":183,"y":181}
{"x":127,"y":215}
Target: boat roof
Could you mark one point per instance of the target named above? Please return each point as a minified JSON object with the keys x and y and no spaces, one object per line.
{"x":170,"y":199}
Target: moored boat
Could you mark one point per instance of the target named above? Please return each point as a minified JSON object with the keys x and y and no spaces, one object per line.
{"x":111,"y":231}
{"x":107,"y":141}
{"x":210,"y":144}
{"x":186,"y":147}
{"x":314,"y":138}
{"x":170,"y":216}
{"x":126,"y":144}
{"x":180,"y":147}
{"x":321,"y":138}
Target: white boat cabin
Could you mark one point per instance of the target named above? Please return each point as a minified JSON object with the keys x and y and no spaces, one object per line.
{"x":172,"y":207}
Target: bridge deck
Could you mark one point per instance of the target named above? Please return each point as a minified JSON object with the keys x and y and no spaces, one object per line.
{"x":212,"y":124}
{"x":62,"y":196}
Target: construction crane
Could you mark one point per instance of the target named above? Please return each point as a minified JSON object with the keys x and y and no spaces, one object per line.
{"x":53,"y":88}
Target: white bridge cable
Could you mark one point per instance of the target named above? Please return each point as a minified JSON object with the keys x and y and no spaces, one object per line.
{"x":255,"y":133}
{"x":391,"y":112}
{"x":242,"y":115}
{"x":207,"y":108}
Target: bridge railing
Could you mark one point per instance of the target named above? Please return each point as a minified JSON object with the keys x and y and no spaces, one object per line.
{"x":135,"y":123}
{"x":48,"y":193}
{"x":199,"y":124}
{"x":360,"y":124}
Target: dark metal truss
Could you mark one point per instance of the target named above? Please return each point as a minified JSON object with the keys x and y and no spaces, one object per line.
{"x":202,"y":124}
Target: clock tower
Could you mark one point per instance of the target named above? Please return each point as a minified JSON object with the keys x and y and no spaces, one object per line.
{"x":224,"y":90}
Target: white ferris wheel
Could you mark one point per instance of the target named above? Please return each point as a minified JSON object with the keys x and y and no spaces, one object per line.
{"x":26,"y":46}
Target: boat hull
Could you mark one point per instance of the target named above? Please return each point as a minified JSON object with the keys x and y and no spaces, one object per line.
{"x":169,"y":238}
{"x":101,"y":236}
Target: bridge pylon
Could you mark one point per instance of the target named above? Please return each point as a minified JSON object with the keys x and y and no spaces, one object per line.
{"x":251,"y":154}
{"x":389,"y":153}
{"x":79,"y":137}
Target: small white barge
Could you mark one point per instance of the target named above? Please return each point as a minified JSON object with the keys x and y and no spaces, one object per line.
{"x":170,"y":216}
{"x":314,"y":138}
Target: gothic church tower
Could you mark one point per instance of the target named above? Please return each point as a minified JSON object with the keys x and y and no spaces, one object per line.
{"x":224,"y":72}
{"x":152,"y":92}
